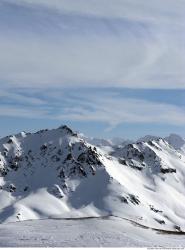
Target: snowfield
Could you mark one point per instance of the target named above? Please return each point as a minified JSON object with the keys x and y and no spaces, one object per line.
{"x":58,"y":174}
{"x":94,"y":232}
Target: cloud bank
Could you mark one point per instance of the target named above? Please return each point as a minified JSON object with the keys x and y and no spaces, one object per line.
{"x":136,"y":44}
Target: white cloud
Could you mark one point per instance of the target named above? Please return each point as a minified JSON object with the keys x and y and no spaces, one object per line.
{"x":167,"y":11}
{"x":21,"y":99}
{"x":115,"y":110}
{"x":137,"y":44}
{"x":107,"y":108}
{"x":23,"y":112}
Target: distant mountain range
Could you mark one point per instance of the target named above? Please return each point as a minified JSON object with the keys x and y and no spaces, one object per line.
{"x":60,"y":173}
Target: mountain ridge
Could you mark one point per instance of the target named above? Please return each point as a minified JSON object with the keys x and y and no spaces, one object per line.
{"x":56,"y":173}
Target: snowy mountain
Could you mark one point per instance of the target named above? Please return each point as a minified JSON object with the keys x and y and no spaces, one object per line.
{"x":176,"y":141}
{"x":147,"y":138}
{"x":107,"y":145}
{"x":100,"y":142}
{"x":56,"y":173}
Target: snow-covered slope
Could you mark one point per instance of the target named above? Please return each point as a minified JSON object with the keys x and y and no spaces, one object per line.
{"x":174,"y":140}
{"x":55,"y":173}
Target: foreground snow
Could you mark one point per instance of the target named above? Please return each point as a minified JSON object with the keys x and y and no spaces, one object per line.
{"x":94,"y":232}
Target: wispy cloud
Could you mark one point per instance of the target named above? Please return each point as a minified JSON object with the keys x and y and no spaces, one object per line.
{"x":115,"y":110}
{"x":103,"y":107}
{"x":23,"y":112}
{"x":9,"y":96}
{"x":123,"y":43}
{"x":150,"y":11}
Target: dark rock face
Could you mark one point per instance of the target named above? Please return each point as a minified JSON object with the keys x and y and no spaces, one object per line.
{"x":134,"y":199}
{"x":65,"y":153}
{"x":56,"y":191}
{"x":155,"y":210}
{"x":135,"y":156}
{"x":123,"y":199}
{"x":144,"y":156}
{"x":122,"y":161}
{"x":67,"y":130}
{"x":26,"y":188}
{"x":43,"y":147}
{"x":168,"y":170}
{"x":177,"y":228}
{"x":12,"y":188}
{"x":10,"y":141}
{"x":160,"y":221}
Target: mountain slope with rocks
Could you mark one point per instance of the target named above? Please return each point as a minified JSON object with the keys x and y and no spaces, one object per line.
{"x":176,"y":141}
{"x":57,"y":174}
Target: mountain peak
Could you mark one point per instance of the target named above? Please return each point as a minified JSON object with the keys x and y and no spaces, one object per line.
{"x":68,"y":130}
{"x":175,"y":140}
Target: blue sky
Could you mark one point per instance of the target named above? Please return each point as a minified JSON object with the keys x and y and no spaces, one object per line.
{"x":104,"y":67}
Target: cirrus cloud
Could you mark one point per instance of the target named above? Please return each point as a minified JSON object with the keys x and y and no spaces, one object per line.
{"x":107,"y":107}
{"x":136,"y":44}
